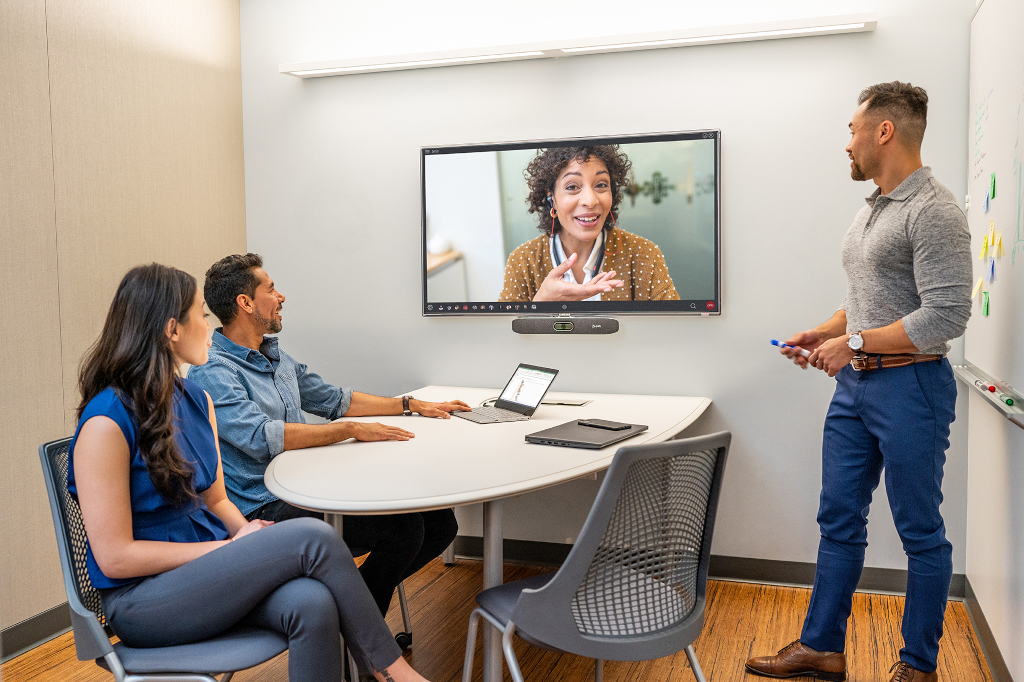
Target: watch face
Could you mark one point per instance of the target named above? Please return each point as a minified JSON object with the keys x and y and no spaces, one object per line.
{"x":856,"y":342}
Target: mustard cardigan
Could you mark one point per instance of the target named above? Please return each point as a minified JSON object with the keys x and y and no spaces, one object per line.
{"x":638,"y":262}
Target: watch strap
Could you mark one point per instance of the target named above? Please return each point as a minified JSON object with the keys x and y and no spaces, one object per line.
{"x":405,"y":405}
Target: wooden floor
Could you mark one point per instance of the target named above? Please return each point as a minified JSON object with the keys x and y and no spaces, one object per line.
{"x":742,"y":620}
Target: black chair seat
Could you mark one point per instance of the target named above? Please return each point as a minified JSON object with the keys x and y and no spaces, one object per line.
{"x":237,"y":649}
{"x":501,"y":599}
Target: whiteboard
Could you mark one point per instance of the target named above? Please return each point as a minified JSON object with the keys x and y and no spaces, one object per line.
{"x":996,"y":145}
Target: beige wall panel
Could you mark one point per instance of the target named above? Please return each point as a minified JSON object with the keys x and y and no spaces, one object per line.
{"x":30,"y":392}
{"x":147,"y":137}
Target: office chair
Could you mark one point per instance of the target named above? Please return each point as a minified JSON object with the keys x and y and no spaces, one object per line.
{"x":236,"y":649}
{"x":633,"y":586}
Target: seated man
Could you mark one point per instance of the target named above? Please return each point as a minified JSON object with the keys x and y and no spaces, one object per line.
{"x":260,"y":392}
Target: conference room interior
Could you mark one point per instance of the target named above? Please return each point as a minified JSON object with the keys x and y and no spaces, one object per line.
{"x":165,"y":132}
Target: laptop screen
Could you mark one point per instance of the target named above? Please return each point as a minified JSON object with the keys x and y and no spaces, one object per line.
{"x":528,"y":386}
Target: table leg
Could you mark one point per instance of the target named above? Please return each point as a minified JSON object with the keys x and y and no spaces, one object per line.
{"x":493,"y":564}
{"x":336,"y":521}
{"x":348,"y":663}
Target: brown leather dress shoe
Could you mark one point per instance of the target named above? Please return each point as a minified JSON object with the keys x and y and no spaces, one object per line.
{"x":798,"y":660}
{"x":904,"y":672}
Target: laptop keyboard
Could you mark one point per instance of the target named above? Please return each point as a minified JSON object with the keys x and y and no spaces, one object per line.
{"x":495,"y":414}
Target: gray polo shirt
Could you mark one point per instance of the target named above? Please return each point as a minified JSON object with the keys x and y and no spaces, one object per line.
{"x":908,"y":255}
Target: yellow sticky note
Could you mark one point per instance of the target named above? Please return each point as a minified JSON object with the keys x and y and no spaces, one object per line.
{"x":984,"y":248}
{"x":999,"y":244}
{"x":992,"y":232}
{"x":977,"y":287}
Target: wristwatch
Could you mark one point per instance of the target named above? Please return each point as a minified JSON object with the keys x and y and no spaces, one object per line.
{"x":405,"y":405}
{"x":855,"y":342}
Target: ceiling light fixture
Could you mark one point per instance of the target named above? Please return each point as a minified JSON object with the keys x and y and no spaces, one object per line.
{"x":795,"y":28}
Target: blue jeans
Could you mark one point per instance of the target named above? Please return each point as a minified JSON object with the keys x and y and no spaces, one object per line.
{"x":897,"y":419}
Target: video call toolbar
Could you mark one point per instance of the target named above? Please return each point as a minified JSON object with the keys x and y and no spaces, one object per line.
{"x":501,"y":307}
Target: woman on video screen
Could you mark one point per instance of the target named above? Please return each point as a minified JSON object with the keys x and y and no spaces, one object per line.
{"x":582,"y":255}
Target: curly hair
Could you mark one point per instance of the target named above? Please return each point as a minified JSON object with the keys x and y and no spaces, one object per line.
{"x":544,"y":169}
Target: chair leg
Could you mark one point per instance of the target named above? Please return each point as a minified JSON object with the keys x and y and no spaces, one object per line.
{"x":598,"y":670}
{"x":448,"y":556}
{"x":404,"y":638}
{"x":510,"y":654}
{"x":227,"y":677}
{"x":694,"y":664}
{"x":467,"y":664}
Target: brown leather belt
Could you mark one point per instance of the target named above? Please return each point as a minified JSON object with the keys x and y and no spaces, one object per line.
{"x":863,"y":362}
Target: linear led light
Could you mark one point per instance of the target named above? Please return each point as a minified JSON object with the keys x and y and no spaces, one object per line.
{"x":418,"y":64}
{"x":754,"y":35}
{"x":849,"y":23}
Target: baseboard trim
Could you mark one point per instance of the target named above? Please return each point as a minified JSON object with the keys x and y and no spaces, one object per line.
{"x":989,"y":647}
{"x":796,"y":573}
{"x":33,"y":631}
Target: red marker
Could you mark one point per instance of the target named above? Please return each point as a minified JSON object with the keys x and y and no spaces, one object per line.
{"x":985,"y":386}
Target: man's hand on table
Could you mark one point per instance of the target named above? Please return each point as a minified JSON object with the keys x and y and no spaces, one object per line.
{"x":377,"y":431}
{"x":438,"y":410}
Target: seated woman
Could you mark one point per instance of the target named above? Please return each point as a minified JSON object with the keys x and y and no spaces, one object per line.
{"x":174,"y":560}
{"x":583,"y":255}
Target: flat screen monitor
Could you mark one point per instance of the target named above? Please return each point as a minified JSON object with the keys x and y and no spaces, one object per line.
{"x":602,"y":225}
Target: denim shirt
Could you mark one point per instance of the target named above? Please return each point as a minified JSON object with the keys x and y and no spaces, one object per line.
{"x":255,"y":393}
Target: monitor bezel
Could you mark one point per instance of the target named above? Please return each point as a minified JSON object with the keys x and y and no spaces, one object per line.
{"x":691,"y":308}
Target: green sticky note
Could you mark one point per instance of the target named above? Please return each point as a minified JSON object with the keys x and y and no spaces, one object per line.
{"x":984,"y":303}
{"x":992,"y":187}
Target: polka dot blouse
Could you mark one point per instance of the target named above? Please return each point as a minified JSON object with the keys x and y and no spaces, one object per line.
{"x":638,"y":262}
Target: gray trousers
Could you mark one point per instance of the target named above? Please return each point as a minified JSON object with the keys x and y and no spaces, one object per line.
{"x":295,"y":577}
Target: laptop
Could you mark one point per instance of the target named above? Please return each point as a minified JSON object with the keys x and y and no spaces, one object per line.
{"x":520,"y":398}
{"x":592,"y":434}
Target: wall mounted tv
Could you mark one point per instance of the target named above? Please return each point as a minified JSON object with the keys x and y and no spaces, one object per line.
{"x":501,"y":224}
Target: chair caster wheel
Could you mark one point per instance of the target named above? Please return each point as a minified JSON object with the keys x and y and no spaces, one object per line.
{"x":404,"y":640}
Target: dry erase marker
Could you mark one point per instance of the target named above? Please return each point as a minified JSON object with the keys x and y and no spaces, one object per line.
{"x":803,"y":351}
{"x":985,"y":386}
{"x":1006,"y":399}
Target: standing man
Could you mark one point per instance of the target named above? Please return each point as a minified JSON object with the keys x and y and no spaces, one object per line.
{"x":260,"y":392}
{"x":908,"y":264}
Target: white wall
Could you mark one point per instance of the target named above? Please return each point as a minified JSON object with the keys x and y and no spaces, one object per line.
{"x":332,"y":190}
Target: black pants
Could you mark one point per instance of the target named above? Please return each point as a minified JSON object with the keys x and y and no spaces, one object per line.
{"x":399,"y":544}
{"x":296,"y":578}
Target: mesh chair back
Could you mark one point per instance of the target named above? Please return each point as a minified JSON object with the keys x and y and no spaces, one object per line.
{"x":643,"y":577}
{"x":633,"y":586}
{"x":70,"y":525}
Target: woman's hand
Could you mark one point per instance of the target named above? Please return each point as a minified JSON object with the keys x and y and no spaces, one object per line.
{"x":554,"y":288}
{"x":251,"y":527}
{"x":439,"y":410}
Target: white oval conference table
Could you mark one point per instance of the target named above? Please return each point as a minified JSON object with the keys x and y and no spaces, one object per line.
{"x":453,"y":462}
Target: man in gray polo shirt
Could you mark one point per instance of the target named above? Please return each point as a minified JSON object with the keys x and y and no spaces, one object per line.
{"x":908,"y":263}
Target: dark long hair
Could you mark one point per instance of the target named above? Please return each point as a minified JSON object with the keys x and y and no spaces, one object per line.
{"x":133,"y":357}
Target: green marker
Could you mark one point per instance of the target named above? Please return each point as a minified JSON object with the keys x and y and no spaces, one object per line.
{"x":1006,"y":399}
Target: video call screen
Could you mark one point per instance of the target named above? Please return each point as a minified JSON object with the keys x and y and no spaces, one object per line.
{"x":501,"y":222}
